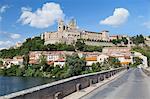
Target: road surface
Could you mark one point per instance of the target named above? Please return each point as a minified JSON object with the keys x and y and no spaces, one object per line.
{"x":134,"y":84}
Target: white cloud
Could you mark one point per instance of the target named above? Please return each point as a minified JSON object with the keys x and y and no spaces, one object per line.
{"x":3,"y":8}
{"x":120,"y":16}
{"x":9,"y":35}
{"x":15,"y":36}
{"x":42,"y":17}
{"x":146,"y":24}
{"x":5,"y":44}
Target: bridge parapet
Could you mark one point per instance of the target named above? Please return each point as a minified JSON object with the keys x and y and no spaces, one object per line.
{"x":62,"y":88}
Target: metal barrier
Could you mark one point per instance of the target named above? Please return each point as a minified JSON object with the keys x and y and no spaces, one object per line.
{"x":62,"y":88}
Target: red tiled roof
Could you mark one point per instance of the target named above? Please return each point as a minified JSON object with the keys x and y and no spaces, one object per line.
{"x":60,"y":60}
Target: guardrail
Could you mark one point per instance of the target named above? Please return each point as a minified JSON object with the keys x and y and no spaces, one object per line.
{"x":62,"y":88}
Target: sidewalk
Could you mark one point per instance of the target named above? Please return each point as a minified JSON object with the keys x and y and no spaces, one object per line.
{"x":83,"y":92}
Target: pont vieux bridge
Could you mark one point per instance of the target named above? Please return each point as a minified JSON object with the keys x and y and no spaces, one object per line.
{"x":112,"y":84}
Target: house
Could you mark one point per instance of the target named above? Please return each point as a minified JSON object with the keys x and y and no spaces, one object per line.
{"x":18,"y":60}
{"x":60,"y":62}
{"x":52,"y":57}
{"x":123,"y":58}
{"x":123,"y":54}
{"x":94,"y":58}
{"x":90,"y":60}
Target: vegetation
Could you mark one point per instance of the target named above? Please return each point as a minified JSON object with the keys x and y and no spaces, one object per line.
{"x":139,"y":39}
{"x":145,"y":51}
{"x":81,"y":46}
{"x":1,"y":63}
{"x":118,"y":41}
{"x":74,"y":66}
{"x":29,"y":45}
{"x":136,"y":61}
{"x":36,"y":44}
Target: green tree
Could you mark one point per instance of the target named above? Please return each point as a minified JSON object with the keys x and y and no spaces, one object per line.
{"x":114,"y":62}
{"x":137,"y":61}
{"x":96,"y":67}
{"x":1,"y":63}
{"x":76,"y":65}
{"x":26,"y":59}
{"x":29,"y":72}
{"x":139,"y":39}
{"x":80,"y":45}
{"x":43,"y":62}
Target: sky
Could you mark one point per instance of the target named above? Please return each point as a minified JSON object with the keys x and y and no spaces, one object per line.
{"x":21,"y":19}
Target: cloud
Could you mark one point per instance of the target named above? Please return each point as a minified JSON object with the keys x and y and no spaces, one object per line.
{"x":5,"y":44}
{"x":146,"y":24}
{"x":3,"y":8}
{"x":42,"y":17}
{"x":9,"y":35}
{"x":15,"y":36}
{"x":8,"y":39}
{"x":119,"y":17}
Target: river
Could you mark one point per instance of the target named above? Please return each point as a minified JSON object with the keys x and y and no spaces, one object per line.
{"x":13,"y":84}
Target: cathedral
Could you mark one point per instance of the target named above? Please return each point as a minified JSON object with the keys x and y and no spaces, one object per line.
{"x":69,"y":33}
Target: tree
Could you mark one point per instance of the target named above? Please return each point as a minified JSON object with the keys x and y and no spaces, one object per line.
{"x":139,"y":39}
{"x":80,"y":45}
{"x":118,"y":41}
{"x":114,"y":62}
{"x":124,"y":39}
{"x":1,"y":63}
{"x":43,"y":62}
{"x":105,"y":65}
{"x":29,"y":72}
{"x":26,"y":59}
{"x":96,"y":67}
{"x":137,"y":61}
{"x":76,"y":65}
{"x":33,"y":44}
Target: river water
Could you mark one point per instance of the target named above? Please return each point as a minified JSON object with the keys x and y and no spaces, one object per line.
{"x":13,"y":84}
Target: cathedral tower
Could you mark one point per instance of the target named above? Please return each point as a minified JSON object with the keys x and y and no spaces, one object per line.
{"x":72,"y":24}
{"x":61,"y":25}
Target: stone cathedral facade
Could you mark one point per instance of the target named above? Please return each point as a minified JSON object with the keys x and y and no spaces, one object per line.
{"x":69,"y":33}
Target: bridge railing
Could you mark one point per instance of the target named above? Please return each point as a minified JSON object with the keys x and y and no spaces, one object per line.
{"x":62,"y":88}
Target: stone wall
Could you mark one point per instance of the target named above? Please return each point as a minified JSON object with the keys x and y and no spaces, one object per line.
{"x":99,"y":43}
{"x":62,"y":88}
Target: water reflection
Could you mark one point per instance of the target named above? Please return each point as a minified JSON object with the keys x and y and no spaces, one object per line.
{"x":13,"y":84}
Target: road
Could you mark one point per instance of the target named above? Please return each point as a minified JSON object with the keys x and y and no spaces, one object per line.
{"x":133,"y":84}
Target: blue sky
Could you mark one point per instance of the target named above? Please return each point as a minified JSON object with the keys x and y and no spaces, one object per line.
{"x":20,"y":19}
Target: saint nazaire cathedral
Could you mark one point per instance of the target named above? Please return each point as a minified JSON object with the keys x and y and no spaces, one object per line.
{"x":69,"y":33}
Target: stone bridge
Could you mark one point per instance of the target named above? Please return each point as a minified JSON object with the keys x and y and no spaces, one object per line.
{"x":62,"y":88}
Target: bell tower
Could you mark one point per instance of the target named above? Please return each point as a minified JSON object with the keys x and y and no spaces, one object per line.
{"x":61,"y":26}
{"x":72,"y":24}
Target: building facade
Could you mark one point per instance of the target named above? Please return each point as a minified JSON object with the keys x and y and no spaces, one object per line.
{"x":123,"y":54}
{"x":69,"y":33}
